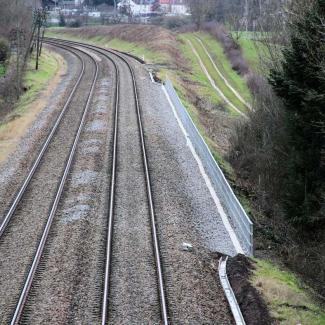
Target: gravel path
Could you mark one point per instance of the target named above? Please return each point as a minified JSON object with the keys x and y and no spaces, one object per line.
{"x":18,"y":244}
{"x":236,"y":93}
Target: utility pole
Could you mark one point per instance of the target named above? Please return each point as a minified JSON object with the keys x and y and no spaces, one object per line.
{"x":18,"y":52}
{"x":43,"y":32}
{"x":38,"y":42}
{"x":40,"y":22}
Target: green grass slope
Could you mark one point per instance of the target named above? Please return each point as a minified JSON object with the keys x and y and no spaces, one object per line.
{"x":288,"y":300}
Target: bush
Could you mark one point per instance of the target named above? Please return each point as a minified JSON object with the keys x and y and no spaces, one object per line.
{"x":170,"y":22}
{"x":75,"y":23}
{"x":231,"y":48}
{"x":62,"y":22}
{"x":4,"y":50}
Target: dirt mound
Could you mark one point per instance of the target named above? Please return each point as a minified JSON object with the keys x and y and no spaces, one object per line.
{"x":252,"y":305}
{"x":155,"y":38}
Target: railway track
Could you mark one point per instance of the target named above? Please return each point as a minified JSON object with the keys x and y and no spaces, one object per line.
{"x":24,"y":230}
{"x":109,"y":271}
{"x":108,"y":265}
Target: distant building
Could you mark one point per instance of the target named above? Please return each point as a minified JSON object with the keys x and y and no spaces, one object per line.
{"x":62,"y":3}
{"x":177,"y":7}
{"x":136,"y":7}
{"x":143,"y":7}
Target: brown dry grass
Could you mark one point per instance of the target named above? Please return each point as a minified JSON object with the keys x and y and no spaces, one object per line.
{"x":15,"y":126}
{"x":155,"y":38}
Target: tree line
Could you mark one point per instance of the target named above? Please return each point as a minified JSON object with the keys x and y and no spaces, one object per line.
{"x":16,"y":29}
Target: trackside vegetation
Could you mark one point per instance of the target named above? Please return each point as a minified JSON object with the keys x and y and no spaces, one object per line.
{"x":301,"y":85}
{"x":23,"y":112}
{"x":290,"y":302}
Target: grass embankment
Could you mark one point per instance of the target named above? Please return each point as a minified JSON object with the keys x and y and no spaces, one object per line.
{"x":223,"y":64}
{"x":255,"y":51}
{"x":288,"y":300}
{"x":216,"y":51}
{"x":116,"y":44}
{"x":250,"y":52}
{"x":152,"y":44}
{"x":26,"y":109}
{"x":2,"y":70}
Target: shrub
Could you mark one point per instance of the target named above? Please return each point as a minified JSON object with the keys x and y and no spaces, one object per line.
{"x":171,"y":22}
{"x":62,"y":22}
{"x":4,"y":50}
{"x":75,"y":23}
{"x":230,"y":47}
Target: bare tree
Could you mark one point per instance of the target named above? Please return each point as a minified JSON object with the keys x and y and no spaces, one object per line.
{"x":16,"y":25}
{"x":200,"y":9}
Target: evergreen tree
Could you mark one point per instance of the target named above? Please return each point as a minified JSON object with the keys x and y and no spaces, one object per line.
{"x":62,"y":22}
{"x":301,"y":85}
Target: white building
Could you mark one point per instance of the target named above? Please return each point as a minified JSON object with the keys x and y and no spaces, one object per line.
{"x":174,"y":7}
{"x":144,"y":7}
{"x":134,"y":8}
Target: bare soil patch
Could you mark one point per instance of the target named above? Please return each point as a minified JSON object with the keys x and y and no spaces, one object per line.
{"x":252,"y":305}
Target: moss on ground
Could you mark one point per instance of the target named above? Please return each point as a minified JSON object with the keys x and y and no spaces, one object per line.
{"x":289,"y":302}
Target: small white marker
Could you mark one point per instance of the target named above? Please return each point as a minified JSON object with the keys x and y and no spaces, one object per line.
{"x":187,"y":247}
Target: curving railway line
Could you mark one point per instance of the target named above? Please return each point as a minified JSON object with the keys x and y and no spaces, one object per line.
{"x":45,"y":185}
{"x":41,"y":191}
{"x":109,"y":258}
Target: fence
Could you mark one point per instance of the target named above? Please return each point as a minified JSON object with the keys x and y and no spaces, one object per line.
{"x":242,"y":225}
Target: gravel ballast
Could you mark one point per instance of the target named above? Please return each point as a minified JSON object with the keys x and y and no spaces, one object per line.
{"x":18,"y":243}
{"x":186,"y":213}
{"x":68,"y":289}
{"x":68,"y":286}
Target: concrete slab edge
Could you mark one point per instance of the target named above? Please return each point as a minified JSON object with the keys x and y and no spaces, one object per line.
{"x":229,"y":293}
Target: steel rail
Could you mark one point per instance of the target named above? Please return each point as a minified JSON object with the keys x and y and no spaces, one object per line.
{"x":163,"y":303}
{"x":36,"y":163}
{"x":28,"y":283}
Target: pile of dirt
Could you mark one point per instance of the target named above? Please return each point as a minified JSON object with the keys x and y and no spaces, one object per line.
{"x":155,"y":38}
{"x":252,"y":305}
